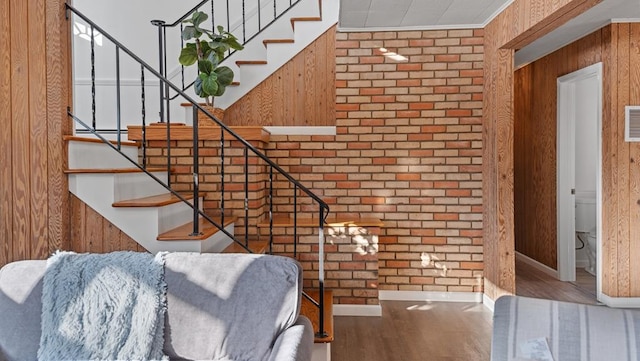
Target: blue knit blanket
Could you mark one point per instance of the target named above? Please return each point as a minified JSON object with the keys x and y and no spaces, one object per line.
{"x":103,"y":307}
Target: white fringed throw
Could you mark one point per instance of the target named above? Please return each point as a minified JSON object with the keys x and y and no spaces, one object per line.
{"x":103,"y":307}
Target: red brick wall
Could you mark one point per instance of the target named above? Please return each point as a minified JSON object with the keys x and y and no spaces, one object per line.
{"x":407,"y":151}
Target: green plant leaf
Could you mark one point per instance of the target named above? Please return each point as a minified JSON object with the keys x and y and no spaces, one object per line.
{"x":221,"y":89}
{"x":205,"y":66}
{"x":197,"y":87}
{"x":188,"y":55}
{"x":190,"y":32}
{"x":209,"y":83}
{"x":198,"y":18}
{"x":225,"y":75}
{"x":213,"y":58}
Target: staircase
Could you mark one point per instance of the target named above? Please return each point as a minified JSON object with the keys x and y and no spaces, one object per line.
{"x":113,"y":177}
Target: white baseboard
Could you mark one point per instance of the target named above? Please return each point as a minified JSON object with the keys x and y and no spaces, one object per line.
{"x":430,"y":296}
{"x":533,"y":263}
{"x":488,"y":302}
{"x":582,"y":263}
{"x":619,"y":302}
{"x":321,"y":352}
{"x":357,"y":310}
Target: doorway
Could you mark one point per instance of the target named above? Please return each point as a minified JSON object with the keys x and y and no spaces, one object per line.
{"x":579,"y":168}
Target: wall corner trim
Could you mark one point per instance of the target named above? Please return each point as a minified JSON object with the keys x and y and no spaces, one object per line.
{"x":488,"y":303}
{"x":357,"y":310}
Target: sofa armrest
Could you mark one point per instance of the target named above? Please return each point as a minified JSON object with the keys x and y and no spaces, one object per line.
{"x":573,"y":331}
{"x":294,"y":343}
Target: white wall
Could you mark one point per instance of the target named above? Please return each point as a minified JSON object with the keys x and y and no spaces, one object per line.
{"x":130,"y":23}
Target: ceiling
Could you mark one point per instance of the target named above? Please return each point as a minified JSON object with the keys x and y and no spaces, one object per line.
{"x":368,"y":15}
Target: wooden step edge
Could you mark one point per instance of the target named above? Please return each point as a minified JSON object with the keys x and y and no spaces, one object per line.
{"x":183,"y":232}
{"x":308,"y":18}
{"x":112,"y":170}
{"x":331,"y":222}
{"x":74,"y":138}
{"x":251,"y":62}
{"x":256,"y":247}
{"x":154,"y":201}
{"x":277,"y":41}
{"x":310,"y":311}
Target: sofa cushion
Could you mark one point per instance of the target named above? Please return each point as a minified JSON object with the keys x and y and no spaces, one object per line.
{"x":229,"y":306}
{"x":20,"y":305}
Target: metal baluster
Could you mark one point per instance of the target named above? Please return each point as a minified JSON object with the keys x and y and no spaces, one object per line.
{"x":244,"y":25}
{"x":164,"y":74}
{"x":182,"y":47}
{"x":321,"y":333}
{"x":271,"y":210}
{"x":161,"y":67}
{"x":228,"y":17}
{"x":246,"y":196}
{"x":168,"y":126}
{"x":196,"y":181}
{"x":275,"y":12}
{"x":222,"y":176}
{"x":144,"y":120}
{"x":295,"y":220}
{"x":118,"y":102}
{"x":93,"y":79}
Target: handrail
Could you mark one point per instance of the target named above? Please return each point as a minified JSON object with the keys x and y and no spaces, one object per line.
{"x":163,"y":81}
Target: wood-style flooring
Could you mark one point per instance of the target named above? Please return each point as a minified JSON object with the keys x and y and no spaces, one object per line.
{"x":415,"y":331}
{"x":532,"y":282}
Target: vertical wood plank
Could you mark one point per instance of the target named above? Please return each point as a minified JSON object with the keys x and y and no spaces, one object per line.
{"x":310,"y":99}
{"x":299,"y":93}
{"x":623,"y":163}
{"x":20,"y":131}
{"x":94,"y":231}
{"x":78,"y":226}
{"x":58,"y":97}
{"x":330,"y":91}
{"x":277,"y":97}
{"x":6,"y":190}
{"x":38,"y":168}
{"x":609,"y":155}
{"x":634,"y":164}
{"x":288,"y":96}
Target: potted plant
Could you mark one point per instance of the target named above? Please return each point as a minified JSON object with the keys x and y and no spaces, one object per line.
{"x":207,"y":50}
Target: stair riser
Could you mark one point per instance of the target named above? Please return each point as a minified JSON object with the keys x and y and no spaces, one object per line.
{"x":83,"y":155}
{"x":174,"y":215}
{"x":137,"y":185}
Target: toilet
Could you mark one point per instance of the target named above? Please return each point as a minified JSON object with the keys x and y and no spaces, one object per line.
{"x":591,"y":247}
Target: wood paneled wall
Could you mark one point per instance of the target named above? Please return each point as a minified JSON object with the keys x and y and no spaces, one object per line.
{"x":90,"y":232}
{"x":618,"y":47}
{"x":521,"y":23}
{"x":535,"y":144}
{"x":34,"y":95}
{"x":300,"y":93}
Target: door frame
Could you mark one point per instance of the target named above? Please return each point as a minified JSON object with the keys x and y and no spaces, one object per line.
{"x":565,"y":200}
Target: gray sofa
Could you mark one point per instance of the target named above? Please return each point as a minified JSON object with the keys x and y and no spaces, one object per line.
{"x":573,"y":332}
{"x":219,"y":306}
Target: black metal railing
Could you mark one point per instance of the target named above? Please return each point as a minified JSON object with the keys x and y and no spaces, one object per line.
{"x":147,"y":71}
{"x":252,"y":23}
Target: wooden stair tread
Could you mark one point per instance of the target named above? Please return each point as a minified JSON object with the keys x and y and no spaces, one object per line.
{"x":112,"y":170}
{"x":153,"y":201}
{"x":74,"y":138}
{"x":312,"y":312}
{"x":251,"y":62}
{"x":307,"y":18}
{"x":257,"y":247}
{"x":278,"y":41}
{"x":285,"y":221}
{"x":183,"y":232}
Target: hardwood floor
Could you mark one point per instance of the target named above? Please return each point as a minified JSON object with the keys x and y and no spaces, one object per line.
{"x":408,"y":331}
{"x":532,"y":282}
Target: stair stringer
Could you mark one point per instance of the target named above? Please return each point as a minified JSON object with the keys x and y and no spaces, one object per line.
{"x":277,"y":55}
{"x":143,"y":224}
